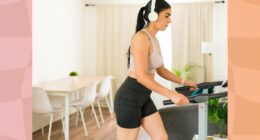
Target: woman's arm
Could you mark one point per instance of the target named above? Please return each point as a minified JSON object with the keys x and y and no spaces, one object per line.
{"x":140,"y":51}
{"x":166,"y":74}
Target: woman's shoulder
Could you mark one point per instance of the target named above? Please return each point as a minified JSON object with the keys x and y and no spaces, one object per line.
{"x":140,"y":36}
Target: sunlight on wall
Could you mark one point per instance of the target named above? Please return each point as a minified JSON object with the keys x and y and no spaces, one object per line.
{"x":165,"y":38}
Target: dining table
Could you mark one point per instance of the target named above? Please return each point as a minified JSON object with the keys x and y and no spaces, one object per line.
{"x":67,"y":86}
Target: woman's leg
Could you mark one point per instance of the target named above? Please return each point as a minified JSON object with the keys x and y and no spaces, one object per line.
{"x":153,"y":125}
{"x":126,"y":133}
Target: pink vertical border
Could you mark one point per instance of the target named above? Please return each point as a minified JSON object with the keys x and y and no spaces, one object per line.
{"x":244,"y":70}
{"x":15,"y":69}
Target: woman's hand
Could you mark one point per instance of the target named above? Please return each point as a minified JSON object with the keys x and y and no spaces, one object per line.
{"x":179,"y":99}
{"x":191,"y":84}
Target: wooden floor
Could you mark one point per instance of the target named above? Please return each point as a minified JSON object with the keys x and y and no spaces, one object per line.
{"x":106,"y":132}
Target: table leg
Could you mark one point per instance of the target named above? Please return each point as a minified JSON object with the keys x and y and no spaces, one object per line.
{"x":66,"y":132}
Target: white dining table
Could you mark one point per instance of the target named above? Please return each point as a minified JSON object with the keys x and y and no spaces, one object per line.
{"x":65,"y":87}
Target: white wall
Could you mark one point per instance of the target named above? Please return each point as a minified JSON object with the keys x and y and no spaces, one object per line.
{"x":90,"y":39}
{"x":58,"y":41}
{"x":220,"y":42}
{"x":58,"y":38}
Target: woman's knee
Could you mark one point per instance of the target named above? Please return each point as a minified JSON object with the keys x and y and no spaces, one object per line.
{"x":126,"y":134}
{"x":161,"y":136}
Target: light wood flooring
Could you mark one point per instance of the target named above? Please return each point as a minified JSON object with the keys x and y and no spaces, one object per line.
{"x":106,"y":132}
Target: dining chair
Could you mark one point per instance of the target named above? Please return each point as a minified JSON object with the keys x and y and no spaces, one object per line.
{"x":105,"y":89}
{"x":87,"y":100}
{"x":42,"y":106}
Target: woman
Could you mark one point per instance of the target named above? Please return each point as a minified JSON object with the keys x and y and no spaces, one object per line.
{"x":133,"y":105}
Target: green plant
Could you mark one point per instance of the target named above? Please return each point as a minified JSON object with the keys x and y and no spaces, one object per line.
{"x":185,"y":72}
{"x":217,"y":114}
{"x":73,"y":73}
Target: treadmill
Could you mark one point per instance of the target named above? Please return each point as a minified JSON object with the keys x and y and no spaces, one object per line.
{"x":182,"y":122}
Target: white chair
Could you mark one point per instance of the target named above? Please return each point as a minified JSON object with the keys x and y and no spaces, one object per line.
{"x":41,"y":105}
{"x":87,"y":100}
{"x":105,"y":89}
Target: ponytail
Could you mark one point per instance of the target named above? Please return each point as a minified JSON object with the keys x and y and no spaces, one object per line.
{"x":140,"y":20}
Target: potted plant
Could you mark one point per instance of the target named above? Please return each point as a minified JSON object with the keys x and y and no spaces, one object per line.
{"x":74,"y":75}
{"x":217,"y":114}
{"x":185,"y":72}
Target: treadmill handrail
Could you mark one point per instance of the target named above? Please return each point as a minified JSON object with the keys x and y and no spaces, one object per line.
{"x":201,"y":85}
{"x":200,"y":98}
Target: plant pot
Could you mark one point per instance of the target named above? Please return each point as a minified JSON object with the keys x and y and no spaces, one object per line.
{"x":196,"y":137}
{"x":74,"y":79}
{"x":219,"y":138}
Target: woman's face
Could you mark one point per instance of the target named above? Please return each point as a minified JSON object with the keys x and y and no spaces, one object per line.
{"x":164,"y":19}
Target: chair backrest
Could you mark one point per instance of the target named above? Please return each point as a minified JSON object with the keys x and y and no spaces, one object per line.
{"x":90,"y":93}
{"x":40,"y":101}
{"x":105,"y":86}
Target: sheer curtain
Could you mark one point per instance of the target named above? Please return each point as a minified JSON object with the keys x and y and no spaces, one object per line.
{"x":192,"y":24}
{"x":115,"y":28}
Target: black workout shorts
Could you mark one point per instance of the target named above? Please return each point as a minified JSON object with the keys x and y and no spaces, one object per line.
{"x":132,"y":103}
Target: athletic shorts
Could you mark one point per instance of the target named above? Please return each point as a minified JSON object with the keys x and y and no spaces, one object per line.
{"x":132,"y":103}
